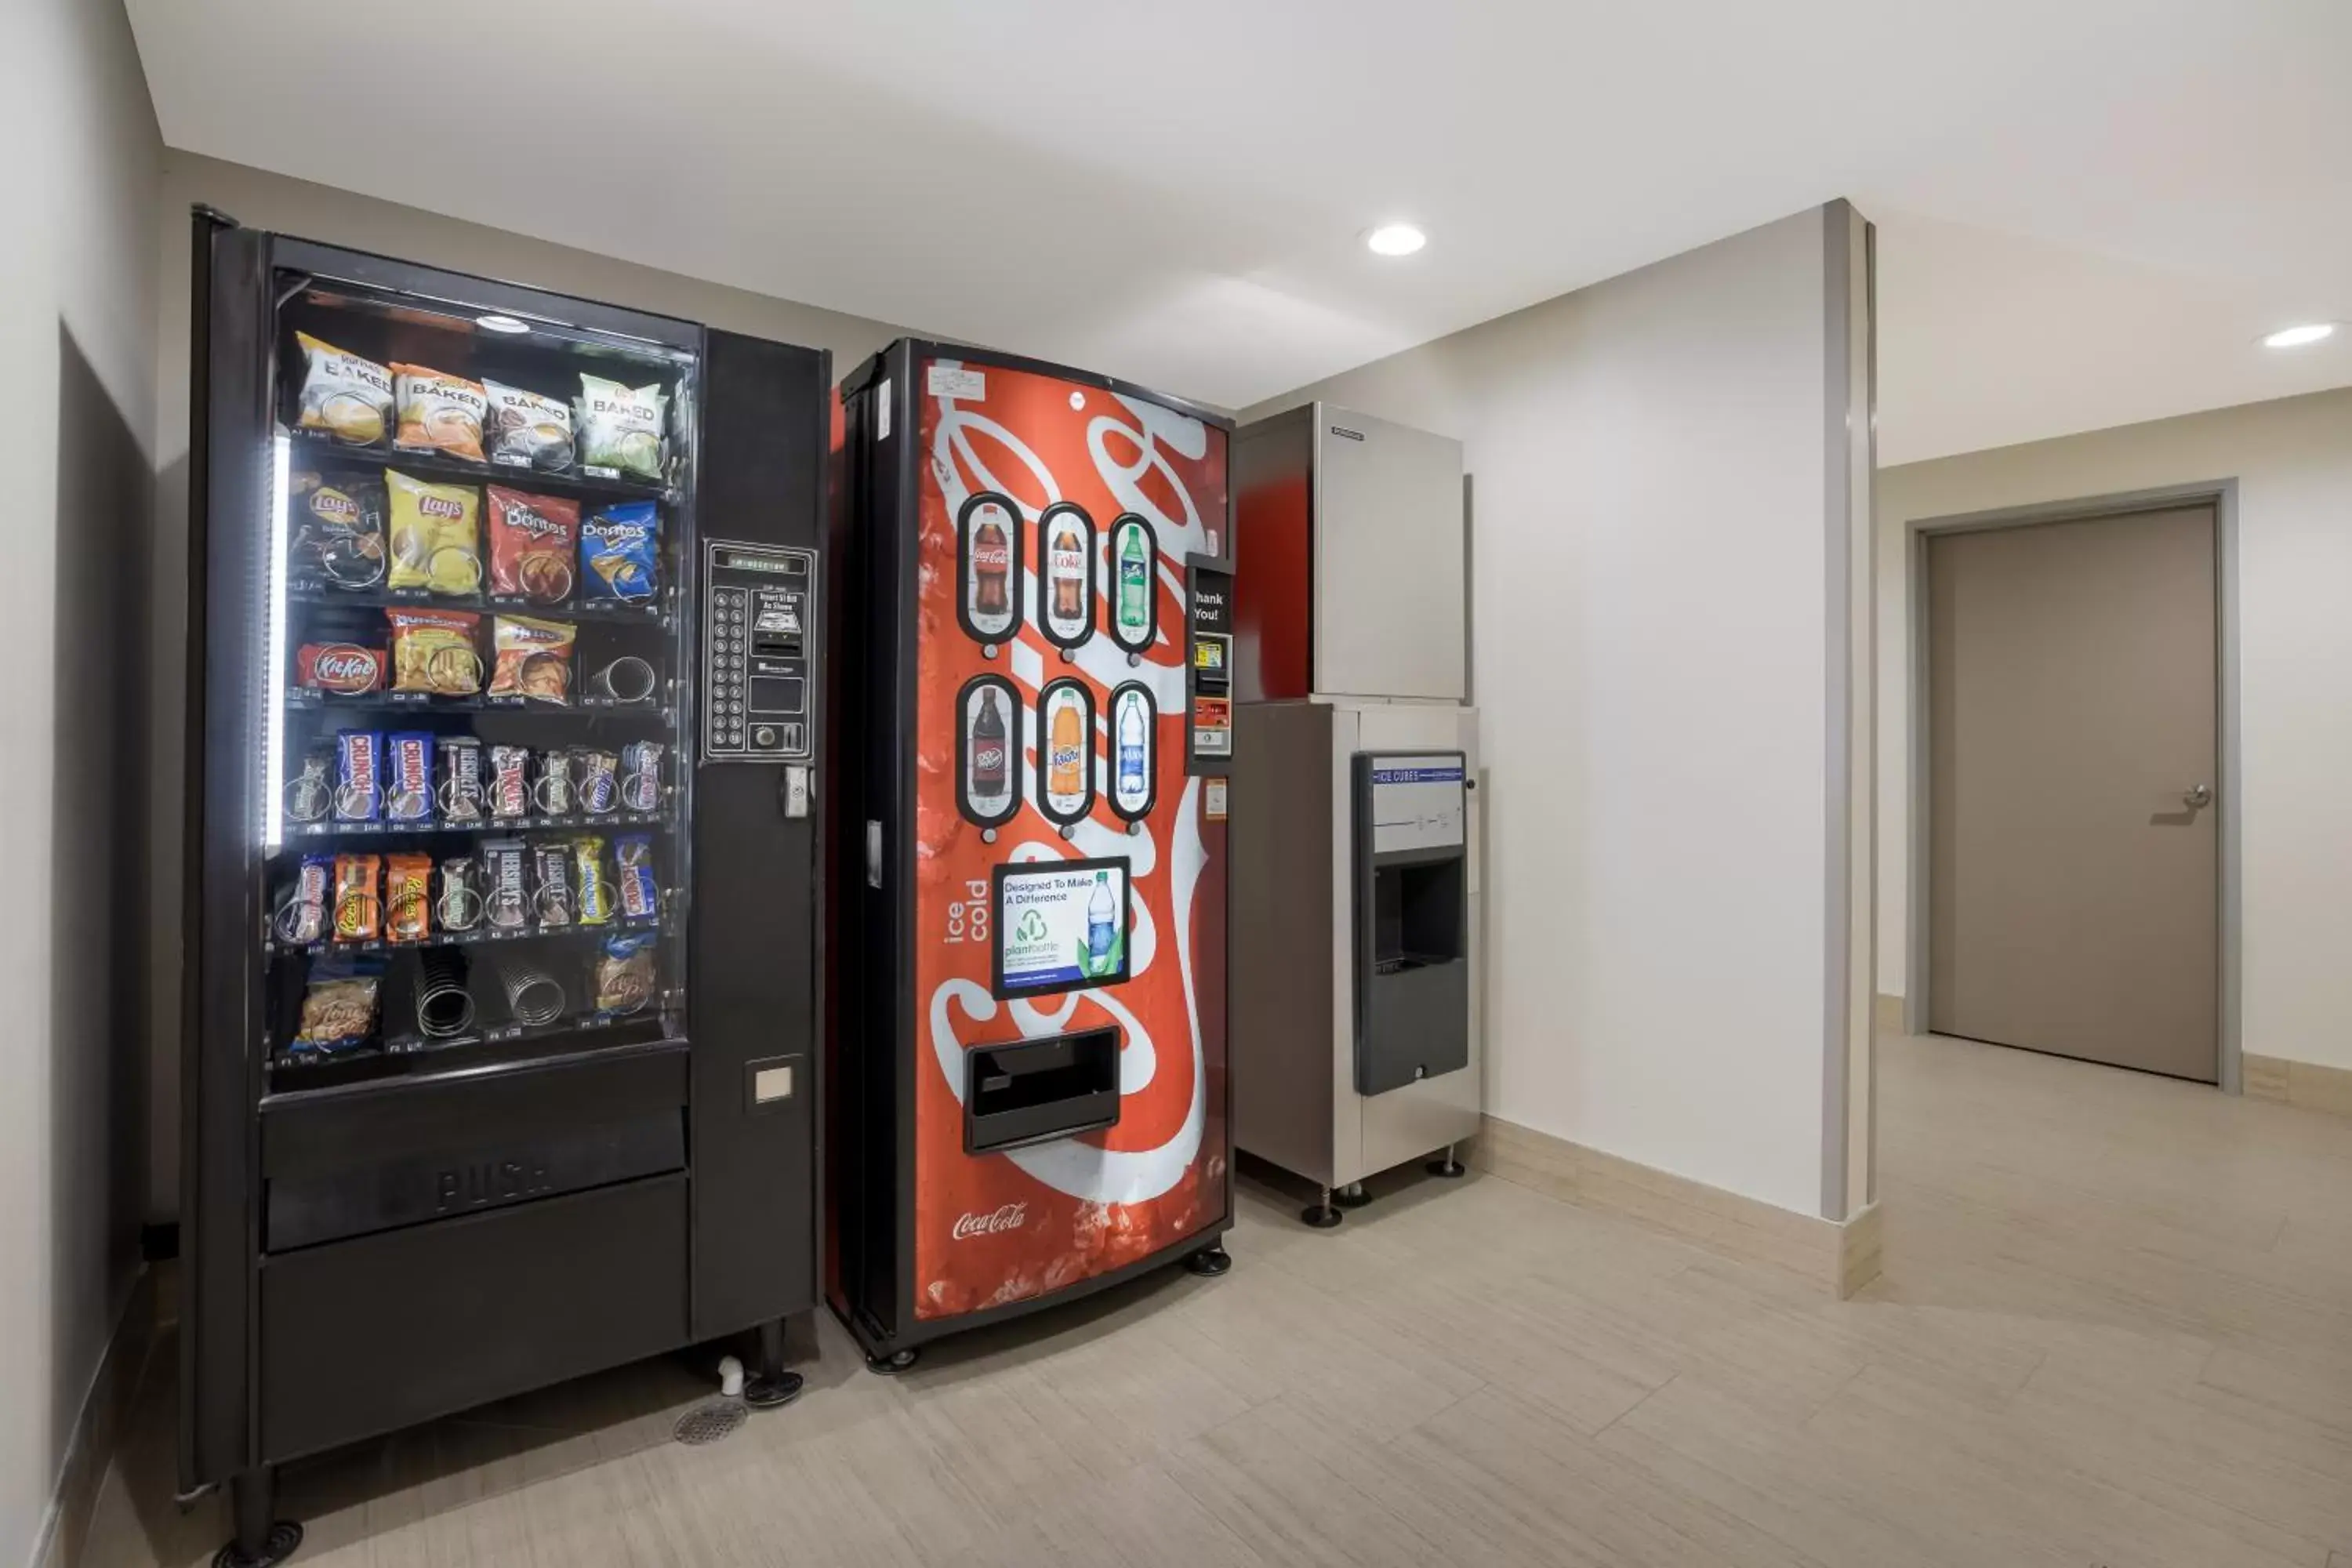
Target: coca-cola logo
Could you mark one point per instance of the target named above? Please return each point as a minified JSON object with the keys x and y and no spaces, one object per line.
{"x":1012,"y":1216}
{"x":992,"y":557}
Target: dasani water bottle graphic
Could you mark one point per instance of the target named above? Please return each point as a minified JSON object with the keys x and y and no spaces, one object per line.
{"x":1102,"y":917}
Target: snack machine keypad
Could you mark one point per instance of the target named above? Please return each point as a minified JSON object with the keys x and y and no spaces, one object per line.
{"x":757,"y":627}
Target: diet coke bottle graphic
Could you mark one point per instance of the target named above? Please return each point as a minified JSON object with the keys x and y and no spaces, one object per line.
{"x":1065,"y":566}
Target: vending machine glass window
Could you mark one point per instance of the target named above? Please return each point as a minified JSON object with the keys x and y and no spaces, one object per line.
{"x":470,"y":831}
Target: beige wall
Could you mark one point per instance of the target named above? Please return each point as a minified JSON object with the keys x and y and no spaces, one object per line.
{"x":1649,"y":584}
{"x":77,"y":339}
{"x":2293,"y":462}
{"x":262,"y":200}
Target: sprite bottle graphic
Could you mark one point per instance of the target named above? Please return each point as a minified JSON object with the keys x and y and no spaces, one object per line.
{"x":1134,"y":584}
{"x":1102,"y":915}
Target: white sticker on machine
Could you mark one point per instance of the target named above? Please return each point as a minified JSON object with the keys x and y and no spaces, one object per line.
{"x":1212,"y":799}
{"x":954,"y":381}
{"x":882,"y":420}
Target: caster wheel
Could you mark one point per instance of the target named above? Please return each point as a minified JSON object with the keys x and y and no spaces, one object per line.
{"x":894,"y":1364}
{"x":1447,"y":1166}
{"x":284,"y":1538}
{"x":774,"y":1393}
{"x":1321,"y":1216}
{"x":1351,"y":1196}
{"x":1209,"y":1262}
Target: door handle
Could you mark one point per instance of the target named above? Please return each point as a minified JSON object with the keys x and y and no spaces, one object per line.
{"x":2196,"y":797}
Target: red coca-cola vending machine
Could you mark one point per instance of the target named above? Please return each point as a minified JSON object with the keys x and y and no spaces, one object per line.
{"x":1030,"y":1096}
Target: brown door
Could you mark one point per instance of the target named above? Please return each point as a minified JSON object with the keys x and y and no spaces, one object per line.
{"x":2073,"y":841}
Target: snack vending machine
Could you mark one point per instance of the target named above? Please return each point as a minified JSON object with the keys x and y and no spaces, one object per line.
{"x":502,"y":977}
{"x":1029,"y":1088}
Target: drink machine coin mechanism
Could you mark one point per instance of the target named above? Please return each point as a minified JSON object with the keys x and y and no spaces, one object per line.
{"x":1356,"y":820}
{"x":1028,"y":1092}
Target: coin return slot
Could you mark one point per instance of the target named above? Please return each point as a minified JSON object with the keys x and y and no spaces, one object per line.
{"x":1039,"y":1090}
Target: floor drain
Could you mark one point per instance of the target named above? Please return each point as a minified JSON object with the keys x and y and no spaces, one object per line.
{"x":708,"y":1421}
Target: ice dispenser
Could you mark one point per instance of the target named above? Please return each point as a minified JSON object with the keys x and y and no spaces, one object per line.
{"x":1411,"y":958}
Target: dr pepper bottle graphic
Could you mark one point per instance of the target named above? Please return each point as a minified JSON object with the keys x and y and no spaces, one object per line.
{"x":991,"y":755}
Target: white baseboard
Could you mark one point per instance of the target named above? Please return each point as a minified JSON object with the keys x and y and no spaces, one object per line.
{"x":1839,"y":1259}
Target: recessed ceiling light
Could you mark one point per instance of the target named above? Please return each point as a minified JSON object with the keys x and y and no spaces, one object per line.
{"x":1395,"y":239}
{"x":501,"y":324}
{"x":2297,"y":337}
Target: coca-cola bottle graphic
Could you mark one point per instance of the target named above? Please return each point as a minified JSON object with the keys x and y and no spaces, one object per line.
{"x":992,"y":756}
{"x":1066,"y":569}
{"x":992,"y":572}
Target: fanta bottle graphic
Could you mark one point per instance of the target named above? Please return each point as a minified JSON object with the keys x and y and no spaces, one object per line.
{"x":1065,"y":758}
{"x":1102,"y":919}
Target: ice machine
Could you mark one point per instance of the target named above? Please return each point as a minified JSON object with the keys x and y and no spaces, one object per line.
{"x":1355,"y":802}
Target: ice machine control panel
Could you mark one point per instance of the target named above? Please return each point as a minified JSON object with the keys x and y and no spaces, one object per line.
{"x":757,"y":637}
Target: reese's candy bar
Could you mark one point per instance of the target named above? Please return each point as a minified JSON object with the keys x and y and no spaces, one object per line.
{"x":408,"y":898}
{"x":358,"y":911}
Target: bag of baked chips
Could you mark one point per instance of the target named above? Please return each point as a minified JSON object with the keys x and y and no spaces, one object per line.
{"x":620,"y":428}
{"x":439,"y":413}
{"x":344,"y":395}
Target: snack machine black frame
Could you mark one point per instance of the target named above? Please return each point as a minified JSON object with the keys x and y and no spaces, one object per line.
{"x":621,"y":1200}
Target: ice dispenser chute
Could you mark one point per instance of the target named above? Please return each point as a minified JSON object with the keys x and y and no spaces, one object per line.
{"x":1412,"y":935}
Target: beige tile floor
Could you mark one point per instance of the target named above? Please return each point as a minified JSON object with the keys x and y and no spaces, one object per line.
{"x":2114,"y":1328}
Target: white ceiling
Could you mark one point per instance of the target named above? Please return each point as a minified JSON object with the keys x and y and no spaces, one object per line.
{"x":1174,"y":193}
